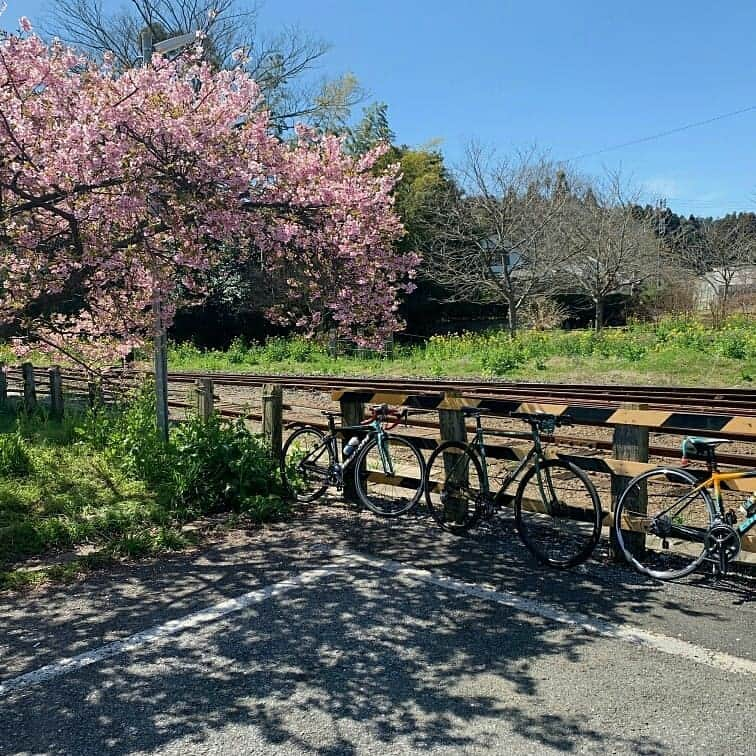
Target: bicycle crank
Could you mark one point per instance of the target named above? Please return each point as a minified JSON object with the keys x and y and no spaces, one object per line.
{"x":722,"y":543}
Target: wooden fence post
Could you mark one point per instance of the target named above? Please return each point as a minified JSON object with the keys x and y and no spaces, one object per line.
{"x":30,"y":389}
{"x":272,"y":417}
{"x":56,"y":392}
{"x":3,"y":386}
{"x":352,"y":413}
{"x":333,"y":343}
{"x":204,"y":393}
{"x":451,"y":420}
{"x":629,"y":442}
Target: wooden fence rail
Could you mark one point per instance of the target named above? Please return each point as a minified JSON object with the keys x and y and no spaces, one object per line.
{"x":631,"y":424}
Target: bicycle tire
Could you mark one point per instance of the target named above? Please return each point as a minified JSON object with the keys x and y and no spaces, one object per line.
{"x":560,"y":533}
{"x":316,"y":489}
{"x":454,"y":513}
{"x":376,"y":494}
{"x":661,"y":563}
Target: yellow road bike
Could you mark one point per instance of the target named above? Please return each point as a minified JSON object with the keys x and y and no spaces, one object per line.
{"x":669,"y":521}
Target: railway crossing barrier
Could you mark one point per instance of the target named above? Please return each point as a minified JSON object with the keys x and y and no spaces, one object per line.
{"x":631,"y":423}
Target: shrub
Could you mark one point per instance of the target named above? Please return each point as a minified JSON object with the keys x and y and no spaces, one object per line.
{"x":238,"y":352}
{"x":276,"y":349}
{"x":208,"y":466}
{"x":219,"y":465}
{"x":15,"y":461}
{"x":503,"y":360}
{"x":132,"y":438}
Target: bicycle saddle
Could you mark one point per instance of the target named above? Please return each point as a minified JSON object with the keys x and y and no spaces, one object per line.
{"x":702,"y":444}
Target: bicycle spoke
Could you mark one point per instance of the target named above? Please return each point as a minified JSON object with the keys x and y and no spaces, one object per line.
{"x":661,"y":522}
{"x":454,"y":487}
{"x":390,"y":476}
{"x":305,"y":463}
{"x":557,"y":513}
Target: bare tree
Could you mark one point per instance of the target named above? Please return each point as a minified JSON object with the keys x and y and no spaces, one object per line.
{"x":610,"y":242}
{"x":492,"y":242}
{"x":283,"y":64}
{"x":719,"y":253}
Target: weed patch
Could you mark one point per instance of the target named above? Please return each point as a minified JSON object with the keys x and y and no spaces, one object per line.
{"x":106,"y":479}
{"x":674,"y":350}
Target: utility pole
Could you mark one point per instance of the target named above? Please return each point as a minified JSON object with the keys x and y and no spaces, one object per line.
{"x":160,"y":354}
{"x":160,"y":359}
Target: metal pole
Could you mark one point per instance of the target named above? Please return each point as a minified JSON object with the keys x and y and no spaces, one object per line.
{"x":160,"y":363}
{"x":146,"y":46}
{"x":160,"y":357}
{"x":660,"y":233}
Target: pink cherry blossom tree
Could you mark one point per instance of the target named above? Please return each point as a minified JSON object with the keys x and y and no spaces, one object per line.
{"x":116,"y":191}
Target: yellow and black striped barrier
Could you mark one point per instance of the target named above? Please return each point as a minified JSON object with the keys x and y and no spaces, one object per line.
{"x":655,"y":420}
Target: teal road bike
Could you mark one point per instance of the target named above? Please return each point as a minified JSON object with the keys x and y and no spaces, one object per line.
{"x":557,"y":511}
{"x":671,"y":521}
{"x":386,"y":471}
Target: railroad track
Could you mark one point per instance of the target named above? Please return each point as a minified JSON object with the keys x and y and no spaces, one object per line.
{"x":725,"y":401}
{"x":729,"y":401}
{"x":716,"y":400}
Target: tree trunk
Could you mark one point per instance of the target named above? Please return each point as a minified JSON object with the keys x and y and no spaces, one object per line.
{"x":599,"y":314}
{"x":512,"y":317}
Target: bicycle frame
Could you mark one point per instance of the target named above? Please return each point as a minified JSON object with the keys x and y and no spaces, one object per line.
{"x":714,"y":482}
{"x":711,"y":490}
{"x":370,"y":430}
{"x":535,"y":453}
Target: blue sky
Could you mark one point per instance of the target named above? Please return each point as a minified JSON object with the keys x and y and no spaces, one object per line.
{"x":572,"y":77}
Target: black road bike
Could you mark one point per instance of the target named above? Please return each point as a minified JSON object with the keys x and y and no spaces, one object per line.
{"x":388,"y":471}
{"x":556,"y":507}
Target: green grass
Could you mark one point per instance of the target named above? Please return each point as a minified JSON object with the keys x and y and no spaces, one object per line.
{"x":71,"y":494}
{"x":102,"y":486}
{"x":673,"y":351}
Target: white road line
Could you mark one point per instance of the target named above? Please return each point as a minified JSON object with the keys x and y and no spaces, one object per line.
{"x":628,"y":633}
{"x":344,"y":559}
{"x":173,"y":627}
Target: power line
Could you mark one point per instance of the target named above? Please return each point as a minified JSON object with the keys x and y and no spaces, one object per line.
{"x":661,"y":134}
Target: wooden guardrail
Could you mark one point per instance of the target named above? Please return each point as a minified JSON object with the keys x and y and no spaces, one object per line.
{"x":631,"y":424}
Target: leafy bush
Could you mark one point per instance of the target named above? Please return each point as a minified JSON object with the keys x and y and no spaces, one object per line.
{"x":15,"y":461}
{"x":131,"y":438}
{"x":503,"y":360}
{"x":238,"y":352}
{"x":206,"y":466}
{"x":219,"y":465}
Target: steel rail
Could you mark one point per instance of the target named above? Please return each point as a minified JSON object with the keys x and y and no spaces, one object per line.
{"x":717,"y":400}
{"x":736,"y":401}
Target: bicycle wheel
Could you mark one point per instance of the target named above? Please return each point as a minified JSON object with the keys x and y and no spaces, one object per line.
{"x":660,"y":523}
{"x":389,"y":475}
{"x":453,"y":487}
{"x":305,"y":463}
{"x":558,"y":513}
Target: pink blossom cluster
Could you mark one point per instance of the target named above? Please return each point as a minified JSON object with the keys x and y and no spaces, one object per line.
{"x":115,"y":190}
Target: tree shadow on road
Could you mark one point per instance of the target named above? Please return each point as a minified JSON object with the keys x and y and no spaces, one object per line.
{"x":362,"y":657}
{"x":320,"y":672}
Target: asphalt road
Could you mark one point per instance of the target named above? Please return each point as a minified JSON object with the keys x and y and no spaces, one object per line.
{"x":350,"y":635}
